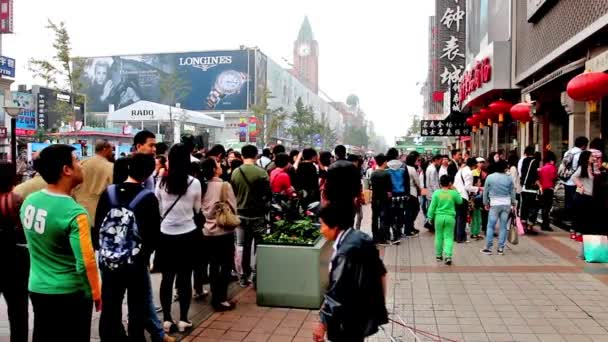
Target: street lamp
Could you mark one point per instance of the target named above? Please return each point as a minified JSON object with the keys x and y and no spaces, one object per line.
{"x":13,"y":112}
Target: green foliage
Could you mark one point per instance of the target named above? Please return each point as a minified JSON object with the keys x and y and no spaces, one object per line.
{"x":301,"y":231}
{"x":303,"y":125}
{"x":62,"y":71}
{"x":356,"y":136}
{"x":173,"y":89}
{"x":269,"y":120}
{"x":414,"y":128}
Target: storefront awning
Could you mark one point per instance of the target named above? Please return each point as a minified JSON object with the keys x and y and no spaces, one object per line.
{"x":151,"y":111}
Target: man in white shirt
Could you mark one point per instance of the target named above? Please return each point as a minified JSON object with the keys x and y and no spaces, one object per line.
{"x":463,"y":182}
{"x":580,"y":144}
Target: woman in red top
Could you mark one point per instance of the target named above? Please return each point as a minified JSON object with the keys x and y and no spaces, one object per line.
{"x":547,"y":176}
{"x":280,"y":182}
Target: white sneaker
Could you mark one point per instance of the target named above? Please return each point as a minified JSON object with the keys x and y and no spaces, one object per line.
{"x":182,"y":326}
{"x":167,"y":326}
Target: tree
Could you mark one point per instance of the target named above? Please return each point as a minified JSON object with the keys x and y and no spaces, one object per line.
{"x":62,"y":71}
{"x":173,"y":89}
{"x":414,"y":128}
{"x":303,"y":125}
{"x":329,"y":137}
{"x":268,"y":120}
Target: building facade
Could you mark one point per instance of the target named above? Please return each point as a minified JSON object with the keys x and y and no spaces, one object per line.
{"x":555,"y":41}
{"x":487,"y":76}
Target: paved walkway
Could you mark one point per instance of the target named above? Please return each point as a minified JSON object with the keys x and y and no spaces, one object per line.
{"x":537,"y":291}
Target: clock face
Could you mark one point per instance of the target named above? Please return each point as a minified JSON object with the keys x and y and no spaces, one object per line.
{"x":230,"y":81}
{"x":304,"y":50}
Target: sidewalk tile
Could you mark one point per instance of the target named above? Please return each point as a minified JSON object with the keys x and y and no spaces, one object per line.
{"x":524,"y":338}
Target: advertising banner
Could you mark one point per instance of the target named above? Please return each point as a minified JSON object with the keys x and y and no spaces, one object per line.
{"x":443,"y":128}
{"x":26,"y":121}
{"x":213,"y":80}
{"x":37,"y":147}
{"x":51,"y":105}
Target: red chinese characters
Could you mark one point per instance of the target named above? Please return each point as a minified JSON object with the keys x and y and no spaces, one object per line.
{"x":473,"y":79}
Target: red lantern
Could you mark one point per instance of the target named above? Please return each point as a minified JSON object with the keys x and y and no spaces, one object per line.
{"x":521,"y":112}
{"x":486,"y":114}
{"x":588,"y":86}
{"x":471,"y":122}
{"x":500,"y":107}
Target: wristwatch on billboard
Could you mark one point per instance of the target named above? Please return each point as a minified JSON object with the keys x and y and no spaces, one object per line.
{"x":227,"y":83}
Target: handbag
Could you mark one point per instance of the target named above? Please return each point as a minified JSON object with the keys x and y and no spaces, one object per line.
{"x":513,"y":236}
{"x":225,"y":215}
{"x":595,"y":248}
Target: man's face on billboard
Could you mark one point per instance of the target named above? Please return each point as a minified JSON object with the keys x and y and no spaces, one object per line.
{"x":101,"y":74}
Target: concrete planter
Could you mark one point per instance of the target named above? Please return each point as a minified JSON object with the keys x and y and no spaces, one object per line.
{"x":293,"y":276}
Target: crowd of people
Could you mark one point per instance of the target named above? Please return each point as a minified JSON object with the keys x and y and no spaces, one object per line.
{"x":86,"y":233}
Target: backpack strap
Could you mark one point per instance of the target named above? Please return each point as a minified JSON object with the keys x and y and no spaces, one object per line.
{"x":138,"y":198}
{"x":113,"y":195}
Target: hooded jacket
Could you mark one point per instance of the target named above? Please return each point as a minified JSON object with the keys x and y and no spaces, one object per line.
{"x":354,"y":303}
{"x":399,"y":177}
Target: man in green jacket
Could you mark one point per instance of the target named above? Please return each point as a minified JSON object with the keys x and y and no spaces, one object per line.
{"x":442,"y":213}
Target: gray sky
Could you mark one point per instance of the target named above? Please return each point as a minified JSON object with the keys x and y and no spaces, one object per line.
{"x":375,"y":49}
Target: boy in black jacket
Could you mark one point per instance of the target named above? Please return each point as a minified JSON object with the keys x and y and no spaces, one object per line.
{"x":354,"y":305}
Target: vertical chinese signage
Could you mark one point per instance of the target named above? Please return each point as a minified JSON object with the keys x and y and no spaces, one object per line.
{"x":6,"y":16}
{"x":450,"y":47}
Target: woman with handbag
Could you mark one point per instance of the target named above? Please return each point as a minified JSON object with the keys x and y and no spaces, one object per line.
{"x":179,"y":196}
{"x":584,"y":206}
{"x":219,"y":208}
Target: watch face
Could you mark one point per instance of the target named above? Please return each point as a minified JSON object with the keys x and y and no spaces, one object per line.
{"x":230,"y":82}
{"x":304,"y":50}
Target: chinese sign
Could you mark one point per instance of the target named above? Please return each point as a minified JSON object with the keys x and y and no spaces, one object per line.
{"x":41,"y":112}
{"x":26,"y":123}
{"x":7,"y":66}
{"x":475,"y":78}
{"x":444,"y":128}
{"x":6,"y":16}
{"x":450,"y":48}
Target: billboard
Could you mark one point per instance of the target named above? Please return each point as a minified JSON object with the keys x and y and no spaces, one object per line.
{"x":52,"y":104}
{"x":26,"y":120}
{"x":213,"y":80}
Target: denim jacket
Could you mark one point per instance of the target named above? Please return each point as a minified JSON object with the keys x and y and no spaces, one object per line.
{"x":499,"y":186}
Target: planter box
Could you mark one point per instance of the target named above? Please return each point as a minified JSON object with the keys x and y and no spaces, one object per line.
{"x":293,"y":276}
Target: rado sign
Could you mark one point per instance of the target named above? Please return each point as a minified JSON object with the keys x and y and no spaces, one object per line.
{"x":142,"y":112}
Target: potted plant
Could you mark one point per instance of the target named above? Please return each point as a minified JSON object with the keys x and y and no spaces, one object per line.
{"x":293,"y":258}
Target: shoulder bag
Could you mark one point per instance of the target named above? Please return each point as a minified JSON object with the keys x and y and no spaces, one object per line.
{"x":225,"y":215}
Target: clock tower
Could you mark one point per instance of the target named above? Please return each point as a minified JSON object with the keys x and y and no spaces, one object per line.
{"x":306,"y":57}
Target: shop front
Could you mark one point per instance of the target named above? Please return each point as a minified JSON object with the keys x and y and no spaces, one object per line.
{"x":486,"y":93}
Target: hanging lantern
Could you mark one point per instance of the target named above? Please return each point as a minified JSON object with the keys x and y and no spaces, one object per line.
{"x":500,"y":107}
{"x":486,"y":115}
{"x":471,"y":122}
{"x":478,"y":120}
{"x":588,"y":86}
{"x":521,"y":112}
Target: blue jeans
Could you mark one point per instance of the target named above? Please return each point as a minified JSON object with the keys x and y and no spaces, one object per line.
{"x":497,"y":213}
{"x":152,"y":323}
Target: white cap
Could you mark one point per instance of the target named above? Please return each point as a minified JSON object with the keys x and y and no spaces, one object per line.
{"x":481,"y":160}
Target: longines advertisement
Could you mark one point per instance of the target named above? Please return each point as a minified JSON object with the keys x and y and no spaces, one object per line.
{"x":216,"y":80}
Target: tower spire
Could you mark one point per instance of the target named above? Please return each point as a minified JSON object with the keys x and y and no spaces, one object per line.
{"x":305,"y":34}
